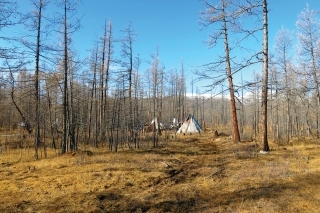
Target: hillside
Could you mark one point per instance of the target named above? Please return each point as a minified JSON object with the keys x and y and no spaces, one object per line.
{"x":196,"y":173}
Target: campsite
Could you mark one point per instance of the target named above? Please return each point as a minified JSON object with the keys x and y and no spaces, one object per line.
{"x":153,"y":106}
{"x":190,"y":173}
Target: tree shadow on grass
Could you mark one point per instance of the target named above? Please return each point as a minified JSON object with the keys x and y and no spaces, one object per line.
{"x":281,"y":195}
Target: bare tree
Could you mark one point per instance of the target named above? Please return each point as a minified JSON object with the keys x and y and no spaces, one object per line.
{"x":264,"y":96}
{"x":275,"y":98}
{"x":138,"y":96}
{"x":156,"y":73}
{"x":34,"y":22}
{"x":24,"y":122}
{"x":40,"y":7}
{"x":109,"y":59}
{"x":309,"y":50}
{"x":225,"y":16}
{"x":283,"y":45}
{"x":182,"y":90}
{"x":173,"y":78}
{"x":53,"y":126}
{"x":36,"y":81}
{"x":127,"y":54}
{"x":69,"y":24}
{"x":93,"y":97}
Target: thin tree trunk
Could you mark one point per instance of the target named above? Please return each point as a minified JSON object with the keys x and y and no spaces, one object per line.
{"x":236,"y":135}
{"x":36,"y":85}
{"x":53,"y":144}
{"x":93,"y":95}
{"x":107,"y":76}
{"x":64,"y":145}
{"x":102,"y":86}
{"x":264,"y":100}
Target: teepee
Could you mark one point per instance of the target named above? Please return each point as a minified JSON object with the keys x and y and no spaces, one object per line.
{"x":190,"y":125}
{"x":175,"y":123}
{"x":155,"y":122}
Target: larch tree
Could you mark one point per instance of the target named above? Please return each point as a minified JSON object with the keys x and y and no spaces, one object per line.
{"x":64,"y":146}
{"x":38,"y":21}
{"x":182,"y":90}
{"x":274,"y":84}
{"x":155,"y":78}
{"x":93,"y":97}
{"x":34,"y":23}
{"x":283,"y":46}
{"x":173,"y":76}
{"x":264,"y":95}
{"x":127,"y":53}
{"x":51,"y":89}
{"x":225,"y":17}
{"x":106,"y":42}
{"x":108,"y":39}
{"x":138,"y":97}
{"x":69,"y":24}
{"x":257,"y":108}
{"x":308,"y":27}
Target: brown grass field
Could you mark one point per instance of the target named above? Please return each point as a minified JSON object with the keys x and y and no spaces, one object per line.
{"x":196,"y":173}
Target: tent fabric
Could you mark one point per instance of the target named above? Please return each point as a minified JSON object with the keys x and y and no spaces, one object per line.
{"x":175,"y":123}
{"x":190,"y":125}
{"x":155,"y":120}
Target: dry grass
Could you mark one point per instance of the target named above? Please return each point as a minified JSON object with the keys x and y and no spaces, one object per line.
{"x":190,"y":174}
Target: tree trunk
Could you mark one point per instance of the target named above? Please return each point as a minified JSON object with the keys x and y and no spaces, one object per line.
{"x":264,"y":97}
{"x":53,"y":144}
{"x":236,"y":135}
{"x":64,"y":145}
{"x":36,"y":85}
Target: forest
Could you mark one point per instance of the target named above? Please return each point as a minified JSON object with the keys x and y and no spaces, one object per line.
{"x":61,"y":100}
{"x":88,"y":126}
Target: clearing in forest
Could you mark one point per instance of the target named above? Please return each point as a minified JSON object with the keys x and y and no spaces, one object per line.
{"x":192,"y":173}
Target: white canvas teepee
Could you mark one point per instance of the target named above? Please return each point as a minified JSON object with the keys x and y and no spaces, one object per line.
{"x":175,"y":123}
{"x":155,"y":122}
{"x":190,"y":125}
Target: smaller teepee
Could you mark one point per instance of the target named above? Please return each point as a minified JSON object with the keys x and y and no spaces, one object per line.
{"x":190,"y":125}
{"x":155,"y":122}
{"x":175,"y":123}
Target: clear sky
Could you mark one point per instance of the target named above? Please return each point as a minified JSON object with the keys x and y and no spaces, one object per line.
{"x":172,"y":25}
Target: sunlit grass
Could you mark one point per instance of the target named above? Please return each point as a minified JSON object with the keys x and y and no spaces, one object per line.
{"x":192,"y":173}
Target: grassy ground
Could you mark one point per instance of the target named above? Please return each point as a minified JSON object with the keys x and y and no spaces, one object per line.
{"x":195,"y":173}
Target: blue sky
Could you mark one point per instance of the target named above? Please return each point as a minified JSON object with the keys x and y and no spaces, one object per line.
{"x":172,"y":25}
